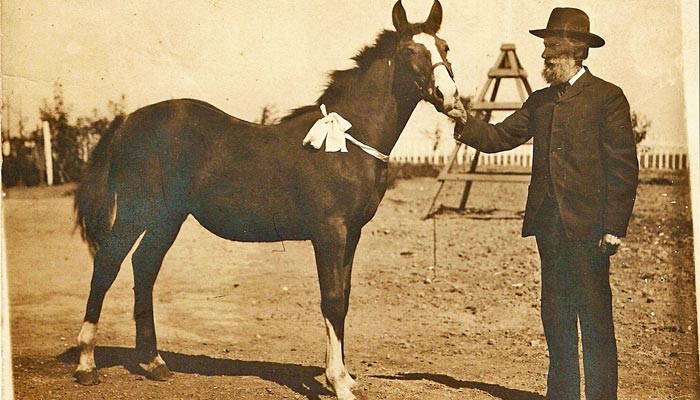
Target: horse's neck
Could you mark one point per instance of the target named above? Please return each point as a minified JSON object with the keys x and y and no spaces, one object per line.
{"x":372,"y":106}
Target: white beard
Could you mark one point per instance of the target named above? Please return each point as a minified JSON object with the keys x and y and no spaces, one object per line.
{"x":559,"y":70}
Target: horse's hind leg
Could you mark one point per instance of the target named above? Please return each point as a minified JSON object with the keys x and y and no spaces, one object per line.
{"x":106,"y":264}
{"x":334,"y":250}
{"x":146,"y":261}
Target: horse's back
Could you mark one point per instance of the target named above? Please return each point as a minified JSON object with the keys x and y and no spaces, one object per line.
{"x":177,"y":132}
{"x":160,"y":148}
{"x":190,"y":157}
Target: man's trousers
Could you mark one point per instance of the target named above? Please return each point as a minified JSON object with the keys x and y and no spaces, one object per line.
{"x":575,"y":288}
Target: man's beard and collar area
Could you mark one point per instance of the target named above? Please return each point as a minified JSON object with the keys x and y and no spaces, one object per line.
{"x":563,"y":58}
{"x":559,"y":69}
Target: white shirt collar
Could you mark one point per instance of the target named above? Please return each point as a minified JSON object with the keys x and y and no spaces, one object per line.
{"x":578,"y":75}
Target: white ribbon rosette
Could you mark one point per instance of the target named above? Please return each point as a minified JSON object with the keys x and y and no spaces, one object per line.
{"x":331,"y":128}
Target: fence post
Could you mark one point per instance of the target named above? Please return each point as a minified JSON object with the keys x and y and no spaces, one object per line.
{"x":5,"y":338}
{"x":47,"y":153}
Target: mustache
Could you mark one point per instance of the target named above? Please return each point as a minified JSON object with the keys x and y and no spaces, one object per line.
{"x":554,"y":61}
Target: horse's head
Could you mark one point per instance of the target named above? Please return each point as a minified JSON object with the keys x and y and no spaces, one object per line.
{"x":424,"y":57}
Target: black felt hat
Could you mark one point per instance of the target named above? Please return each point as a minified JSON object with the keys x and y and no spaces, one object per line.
{"x":570,"y":23}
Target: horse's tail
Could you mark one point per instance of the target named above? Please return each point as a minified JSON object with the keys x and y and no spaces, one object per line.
{"x":95,"y":202}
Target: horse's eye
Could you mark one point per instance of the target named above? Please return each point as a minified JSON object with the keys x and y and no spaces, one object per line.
{"x":408,"y":51}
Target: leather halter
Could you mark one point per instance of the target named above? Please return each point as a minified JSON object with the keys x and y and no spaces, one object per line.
{"x":447,"y":67}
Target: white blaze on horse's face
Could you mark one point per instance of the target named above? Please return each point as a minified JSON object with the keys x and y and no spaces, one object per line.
{"x":443,"y":80}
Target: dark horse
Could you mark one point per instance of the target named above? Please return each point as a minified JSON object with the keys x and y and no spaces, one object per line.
{"x":255,"y":183}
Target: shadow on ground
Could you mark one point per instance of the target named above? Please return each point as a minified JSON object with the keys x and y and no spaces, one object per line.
{"x":476,"y":213}
{"x":299,"y":378}
{"x":496,"y":391}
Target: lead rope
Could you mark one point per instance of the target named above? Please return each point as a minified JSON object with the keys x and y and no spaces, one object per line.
{"x":434,"y":247}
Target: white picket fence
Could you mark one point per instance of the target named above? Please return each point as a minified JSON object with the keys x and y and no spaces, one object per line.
{"x":419,"y":152}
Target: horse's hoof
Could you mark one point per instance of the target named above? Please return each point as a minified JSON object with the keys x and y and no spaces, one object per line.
{"x":346,"y":395}
{"x":87,"y":378}
{"x":160,"y":373}
{"x":343,"y":387}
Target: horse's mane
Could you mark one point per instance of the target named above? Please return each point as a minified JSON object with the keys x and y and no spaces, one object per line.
{"x":342,"y":80}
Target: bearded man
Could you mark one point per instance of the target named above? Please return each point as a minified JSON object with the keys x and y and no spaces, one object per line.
{"x":580,"y":199}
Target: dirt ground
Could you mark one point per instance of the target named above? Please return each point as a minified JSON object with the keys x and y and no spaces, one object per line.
{"x":242,"y":321}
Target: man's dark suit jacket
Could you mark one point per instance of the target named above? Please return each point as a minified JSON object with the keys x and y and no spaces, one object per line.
{"x":592,"y":154}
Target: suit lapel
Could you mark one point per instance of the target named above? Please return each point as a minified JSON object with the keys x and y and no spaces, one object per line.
{"x":578,"y":86}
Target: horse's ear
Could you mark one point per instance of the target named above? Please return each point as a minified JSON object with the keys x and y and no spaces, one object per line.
{"x":398,"y":15}
{"x":432,"y":24}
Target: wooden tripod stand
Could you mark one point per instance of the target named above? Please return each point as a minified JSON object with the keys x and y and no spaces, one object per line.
{"x":507,"y":67}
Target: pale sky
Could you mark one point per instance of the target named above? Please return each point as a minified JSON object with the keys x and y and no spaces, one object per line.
{"x":242,"y":55}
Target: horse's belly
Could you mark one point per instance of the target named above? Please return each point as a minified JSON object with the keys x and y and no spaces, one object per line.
{"x":253,"y":226}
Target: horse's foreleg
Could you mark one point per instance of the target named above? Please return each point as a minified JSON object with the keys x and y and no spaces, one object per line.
{"x":146,"y":261}
{"x":350,"y":247}
{"x":334,"y":271}
{"x":106,"y":266}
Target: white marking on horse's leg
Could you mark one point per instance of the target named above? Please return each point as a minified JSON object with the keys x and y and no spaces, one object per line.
{"x":157,"y":369}
{"x":443,"y":80}
{"x":337,"y":375}
{"x":86,"y":344}
{"x":155,"y":363}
